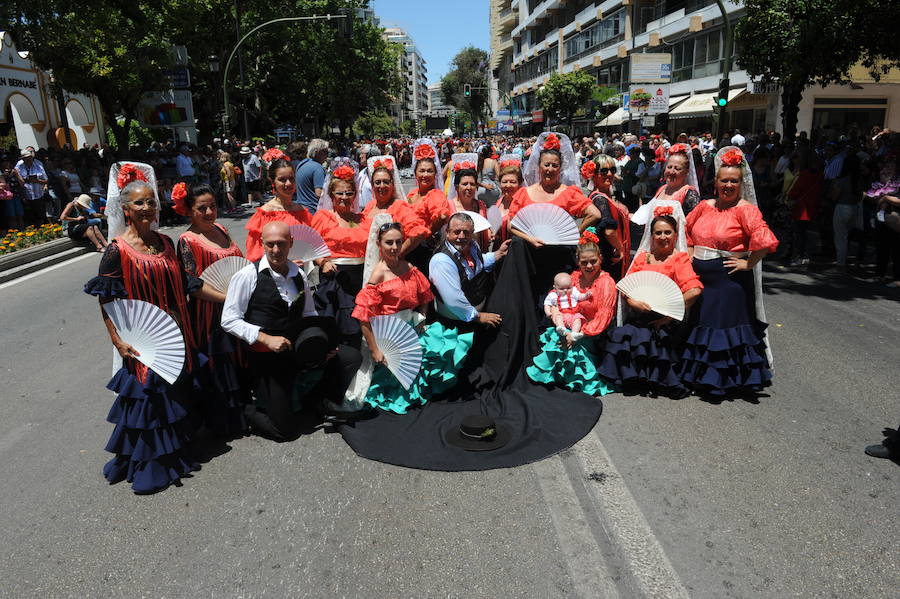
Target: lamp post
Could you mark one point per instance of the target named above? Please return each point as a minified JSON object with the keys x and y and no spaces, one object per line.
{"x":214,"y":68}
{"x":726,"y":69}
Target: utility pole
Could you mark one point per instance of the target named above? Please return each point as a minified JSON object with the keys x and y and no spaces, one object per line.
{"x":722,"y":102}
{"x":237,"y":29}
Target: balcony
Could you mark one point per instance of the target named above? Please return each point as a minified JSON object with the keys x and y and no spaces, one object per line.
{"x":509,"y":18}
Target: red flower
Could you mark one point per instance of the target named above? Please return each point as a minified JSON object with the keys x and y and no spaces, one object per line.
{"x":128,"y":174}
{"x":733,"y":157}
{"x":274,"y":154}
{"x":494,"y":156}
{"x":552,"y":142}
{"x":458,"y":166}
{"x":386,"y":163}
{"x":344,"y":172}
{"x":663,"y":211}
{"x":678,"y":148}
{"x":506,"y":163}
{"x":588,"y":236}
{"x":179,"y":197}
{"x":423,"y":151}
{"x":237,"y":170}
{"x":588,"y":169}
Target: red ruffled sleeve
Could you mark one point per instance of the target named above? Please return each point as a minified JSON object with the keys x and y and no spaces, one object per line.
{"x":432,"y":209}
{"x":572,"y":201}
{"x":344,"y":242}
{"x":254,"y":226}
{"x":424,"y":294}
{"x":404,"y":214}
{"x":761,"y":236}
{"x":519,"y":201}
{"x":599,"y":310}
{"x":367,"y":300}
{"x":683,"y":273}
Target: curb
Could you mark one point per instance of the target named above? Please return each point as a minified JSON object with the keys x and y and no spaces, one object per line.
{"x":33,"y":259}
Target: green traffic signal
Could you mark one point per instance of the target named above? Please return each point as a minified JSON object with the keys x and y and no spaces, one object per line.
{"x":722,"y":101}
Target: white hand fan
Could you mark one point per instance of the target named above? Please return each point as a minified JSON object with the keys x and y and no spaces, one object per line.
{"x":400,"y":345}
{"x":481,"y":223}
{"x":547,"y":222}
{"x":495,"y":218}
{"x":219,"y":273}
{"x":657,"y":290}
{"x":152,"y":332}
{"x":308,"y":244}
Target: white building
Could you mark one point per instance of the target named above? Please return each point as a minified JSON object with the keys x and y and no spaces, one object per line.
{"x":436,"y":104}
{"x":412,"y":102}
{"x":531,"y":39}
{"x":37,"y":116}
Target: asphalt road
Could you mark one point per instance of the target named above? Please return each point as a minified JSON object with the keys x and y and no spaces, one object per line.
{"x":664,"y":499}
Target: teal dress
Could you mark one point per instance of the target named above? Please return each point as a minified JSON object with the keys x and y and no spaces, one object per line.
{"x":575,"y":368}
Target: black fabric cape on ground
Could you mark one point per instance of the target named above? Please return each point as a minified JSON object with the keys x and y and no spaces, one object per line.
{"x":542,"y":421}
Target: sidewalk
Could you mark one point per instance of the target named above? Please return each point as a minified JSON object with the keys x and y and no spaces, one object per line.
{"x":33,"y":259}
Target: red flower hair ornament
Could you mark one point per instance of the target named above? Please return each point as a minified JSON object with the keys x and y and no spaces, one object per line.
{"x":588,"y":169}
{"x":678,"y":148}
{"x":663,"y":211}
{"x":551,"y":143}
{"x":344,"y":172}
{"x":179,"y":198}
{"x":588,"y":237}
{"x":733,"y":157}
{"x":386,"y":163}
{"x":273,"y":154}
{"x":129,"y":174}
{"x":423,"y":151}
{"x":506,"y":163}
{"x":458,"y":166}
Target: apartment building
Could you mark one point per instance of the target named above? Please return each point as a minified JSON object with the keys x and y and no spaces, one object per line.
{"x":412,"y":102}
{"x":531,"y":39}
{"x":436,"y":105}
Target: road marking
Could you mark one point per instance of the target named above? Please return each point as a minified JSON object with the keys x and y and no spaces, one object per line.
{"x":620,"y":515}
{"x":581,"y":553}
{"x":37,"y":273}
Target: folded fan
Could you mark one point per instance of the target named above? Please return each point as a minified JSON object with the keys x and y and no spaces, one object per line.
{"x":219,"y":273}
{"x":152,"y":333}
{"x":308,"y":244}
{"x":495,"y":218}
{"x":400,"y":345}
{"x":481,"y":223}
{"x":547,"y":222}
{"x":657,"y":290}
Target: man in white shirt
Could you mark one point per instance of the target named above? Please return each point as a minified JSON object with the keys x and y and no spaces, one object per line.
{"x":252,"y":175}
{"x":737,"y":139}
{"x":270,"y":307}
{"x":185,"y":166}
{"x":33,"y":178}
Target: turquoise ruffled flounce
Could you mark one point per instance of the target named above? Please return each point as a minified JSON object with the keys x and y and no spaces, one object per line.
{"x":573,"y":369}
{"x":444,"y":350}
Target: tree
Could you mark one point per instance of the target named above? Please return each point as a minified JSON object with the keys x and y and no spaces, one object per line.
{"x":374,"y":123}
{"x":798,"y":43}
{"x":565,"y":93}
{"x":469,"y":66}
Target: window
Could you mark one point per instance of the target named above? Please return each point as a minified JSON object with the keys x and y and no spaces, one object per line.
{"x":614,"y":75}
{"x":697,"y":57}
{"x":542,"y":64}
{"x":599,"y":35}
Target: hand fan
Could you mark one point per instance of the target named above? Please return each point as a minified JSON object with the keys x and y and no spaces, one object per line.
{"x":152,"y":332}
{"x":219,"y":273}
{"x":308,"y":244}
{"x":481,"y":223}
{"x":657,"y":290}
{"x":547,"y":222}
{"x":494,"y":217}
{"x":400,"y":345}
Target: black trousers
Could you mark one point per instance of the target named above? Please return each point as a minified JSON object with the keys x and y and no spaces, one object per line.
{"x":273,"y":377}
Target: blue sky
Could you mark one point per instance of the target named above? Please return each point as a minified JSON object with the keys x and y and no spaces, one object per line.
{"x":440,"y":29}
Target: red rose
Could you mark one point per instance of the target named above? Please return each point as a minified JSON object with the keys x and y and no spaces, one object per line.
{"x":344,"y":172}
{"x":682,"y":148}
{"x":733,"y":157}
{"x":179,"y":197}
{"x":588,"y":169}
{"x":552,"y":142}
{"x":423,"y":151}
{"x":506,"y":163}
{"x":588,"y":236}
{"x":274,"y":154}
{"x":128,"y":174}
{"x":663,"y":211}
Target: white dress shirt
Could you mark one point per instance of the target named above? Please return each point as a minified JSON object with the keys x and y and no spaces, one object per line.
{"x":241,"y":288}
{"x":443,"y":273}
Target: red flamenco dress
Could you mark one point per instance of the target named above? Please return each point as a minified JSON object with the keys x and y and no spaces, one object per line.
{"x":725,"y":351}
{"x":398,"y":296}
{"x":152,"y":431}
{"x":224,"y":390}
{"x":402,"y":213}
{"x":433,"y":209}
{"x":261,"y":218}
{"x":640,"y":357}
{"x":613,"y":217}
{"x":335,"y":295}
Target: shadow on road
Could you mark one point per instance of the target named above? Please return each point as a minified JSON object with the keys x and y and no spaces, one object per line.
{"x":839,"y":287}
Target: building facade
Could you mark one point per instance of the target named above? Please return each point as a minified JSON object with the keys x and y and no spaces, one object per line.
{"x":531,"y":39}
{"x":412,"y":102}
{"x":436,"y":105}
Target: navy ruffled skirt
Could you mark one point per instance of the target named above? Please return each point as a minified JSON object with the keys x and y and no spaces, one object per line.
{"x":223,"y":387}
{"x":336,"y":297}
{"x":724,"y":353}
{"x":641,"y":358}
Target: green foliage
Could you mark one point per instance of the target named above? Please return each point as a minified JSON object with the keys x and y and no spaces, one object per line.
{"x":799,"y":43}
{"x":138,"y":135}
{"x":373,"y":123}
{"x":468,"y":66}
{"x":565,"y":93}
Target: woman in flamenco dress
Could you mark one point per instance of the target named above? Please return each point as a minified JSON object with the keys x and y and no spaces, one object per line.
{"x":398,"y":289}
{"x":428,"y":200}
{"x":726,"y":352}
{"x":615,"y":242}
{"x":387,"y":197}
{"x":224,"y":388}
{"x":280,"y":208}
{"x":681,"y":184}
{"x":510,"y":182}
{"x":463,"y":195}
{"x":640,"y":355}
{"x":151,"y":416}
{"x":565,"y":361}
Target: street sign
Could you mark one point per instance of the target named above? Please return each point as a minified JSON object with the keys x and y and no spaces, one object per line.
{"x":651,"y":68}
{"x":647,"y":100}
{"x":758,"y":87}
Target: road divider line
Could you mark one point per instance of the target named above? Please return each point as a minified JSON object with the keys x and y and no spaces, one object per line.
{"x":38,"y":273}
{"x":582,"y":555}
{"x":645,"y":560}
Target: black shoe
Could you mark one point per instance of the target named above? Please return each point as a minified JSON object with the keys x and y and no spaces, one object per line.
{"x":343,"y":413}
{"x":881,"y":451}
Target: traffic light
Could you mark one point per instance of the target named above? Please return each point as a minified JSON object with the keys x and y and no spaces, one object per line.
{"x":345,"y":25}
{"x":467,"y":90}
{"x":722,"y":100}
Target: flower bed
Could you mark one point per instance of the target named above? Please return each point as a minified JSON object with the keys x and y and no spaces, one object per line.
{"x":17,"y":240}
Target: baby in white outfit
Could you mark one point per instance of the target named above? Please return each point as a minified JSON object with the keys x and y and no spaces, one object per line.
{"x":561,"y":305}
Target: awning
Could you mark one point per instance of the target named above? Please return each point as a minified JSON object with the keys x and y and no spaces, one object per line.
{"x":619,"y":116}
{"x":675,"y":100}
{"x":700,"y":105}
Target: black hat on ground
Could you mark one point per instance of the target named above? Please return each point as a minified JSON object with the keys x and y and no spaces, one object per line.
{"x":318,"y":336}
{"x":478,"y":433}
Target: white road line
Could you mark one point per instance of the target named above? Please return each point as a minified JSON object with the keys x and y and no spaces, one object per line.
{"x":583,"y":558}
{"x":620,"y":515}
{"x":46,"y":270}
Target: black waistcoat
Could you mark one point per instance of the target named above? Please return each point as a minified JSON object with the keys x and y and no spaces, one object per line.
{"x":475,"y":289}
{"x":272,"y":314}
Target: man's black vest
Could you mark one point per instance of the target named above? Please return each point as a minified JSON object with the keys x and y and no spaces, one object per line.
{"x":267,"y":310}
{"x":475,"y":289}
